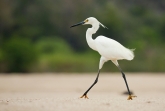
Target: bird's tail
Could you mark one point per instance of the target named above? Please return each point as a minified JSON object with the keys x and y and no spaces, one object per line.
{"x":130,"y":55}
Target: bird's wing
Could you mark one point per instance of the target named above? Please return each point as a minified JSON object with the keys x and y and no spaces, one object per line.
{"x":112,"y":49}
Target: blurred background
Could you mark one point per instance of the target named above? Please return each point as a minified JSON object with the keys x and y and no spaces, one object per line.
{"x":35,"y":35}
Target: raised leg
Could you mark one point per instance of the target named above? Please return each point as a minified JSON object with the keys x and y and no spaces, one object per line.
{"x":96,"y":80}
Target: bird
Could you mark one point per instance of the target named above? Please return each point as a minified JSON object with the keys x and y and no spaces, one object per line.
{"x":108,"y":48}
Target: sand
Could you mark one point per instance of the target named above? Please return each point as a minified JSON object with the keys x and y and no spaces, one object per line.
{"x":61,"y":92}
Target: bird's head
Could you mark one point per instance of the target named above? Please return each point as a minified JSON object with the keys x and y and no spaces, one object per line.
{"x":90,"y":20}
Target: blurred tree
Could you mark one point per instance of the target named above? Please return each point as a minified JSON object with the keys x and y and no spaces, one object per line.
{"x":134,"y":23}
{"x":18,"y":54}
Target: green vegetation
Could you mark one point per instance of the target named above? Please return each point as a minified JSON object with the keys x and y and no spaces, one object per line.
{"x":18,"y":55}
{"x":35,"y":35}
{"x":56,"y":55}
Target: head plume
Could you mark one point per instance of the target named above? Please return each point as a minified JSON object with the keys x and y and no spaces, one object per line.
{"x":103,"y":25}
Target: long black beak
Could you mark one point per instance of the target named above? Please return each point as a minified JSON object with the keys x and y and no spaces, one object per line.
{"x":81,"y":23}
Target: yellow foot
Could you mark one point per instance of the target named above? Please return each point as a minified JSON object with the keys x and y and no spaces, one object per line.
{"x":85,"y":96}
{"x":130,"y":97}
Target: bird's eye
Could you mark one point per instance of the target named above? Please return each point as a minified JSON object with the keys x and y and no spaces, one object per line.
{"x":86,"y":20}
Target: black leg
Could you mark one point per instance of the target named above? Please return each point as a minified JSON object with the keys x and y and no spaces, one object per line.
{"x":96,"y":80}
{"x":125,"y":80}
{"x":129,"y":97}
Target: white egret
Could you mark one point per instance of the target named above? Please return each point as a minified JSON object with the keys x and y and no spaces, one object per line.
{"x":109,"y":49}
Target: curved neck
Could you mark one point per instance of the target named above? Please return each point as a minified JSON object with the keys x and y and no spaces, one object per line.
{"x":89,"y":33}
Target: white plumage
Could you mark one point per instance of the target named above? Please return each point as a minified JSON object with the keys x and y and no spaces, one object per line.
{"x":112,"y":50}
{"x":109,"y":49}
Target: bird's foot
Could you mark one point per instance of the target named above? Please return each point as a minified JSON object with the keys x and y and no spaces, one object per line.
{"x":130,"y":97}
{"x":84,"y":96}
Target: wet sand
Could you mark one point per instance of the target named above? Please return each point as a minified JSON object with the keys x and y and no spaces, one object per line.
{"x":61,"y":92}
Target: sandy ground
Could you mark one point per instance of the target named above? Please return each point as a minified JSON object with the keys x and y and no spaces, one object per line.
{"x":61,"y":92}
